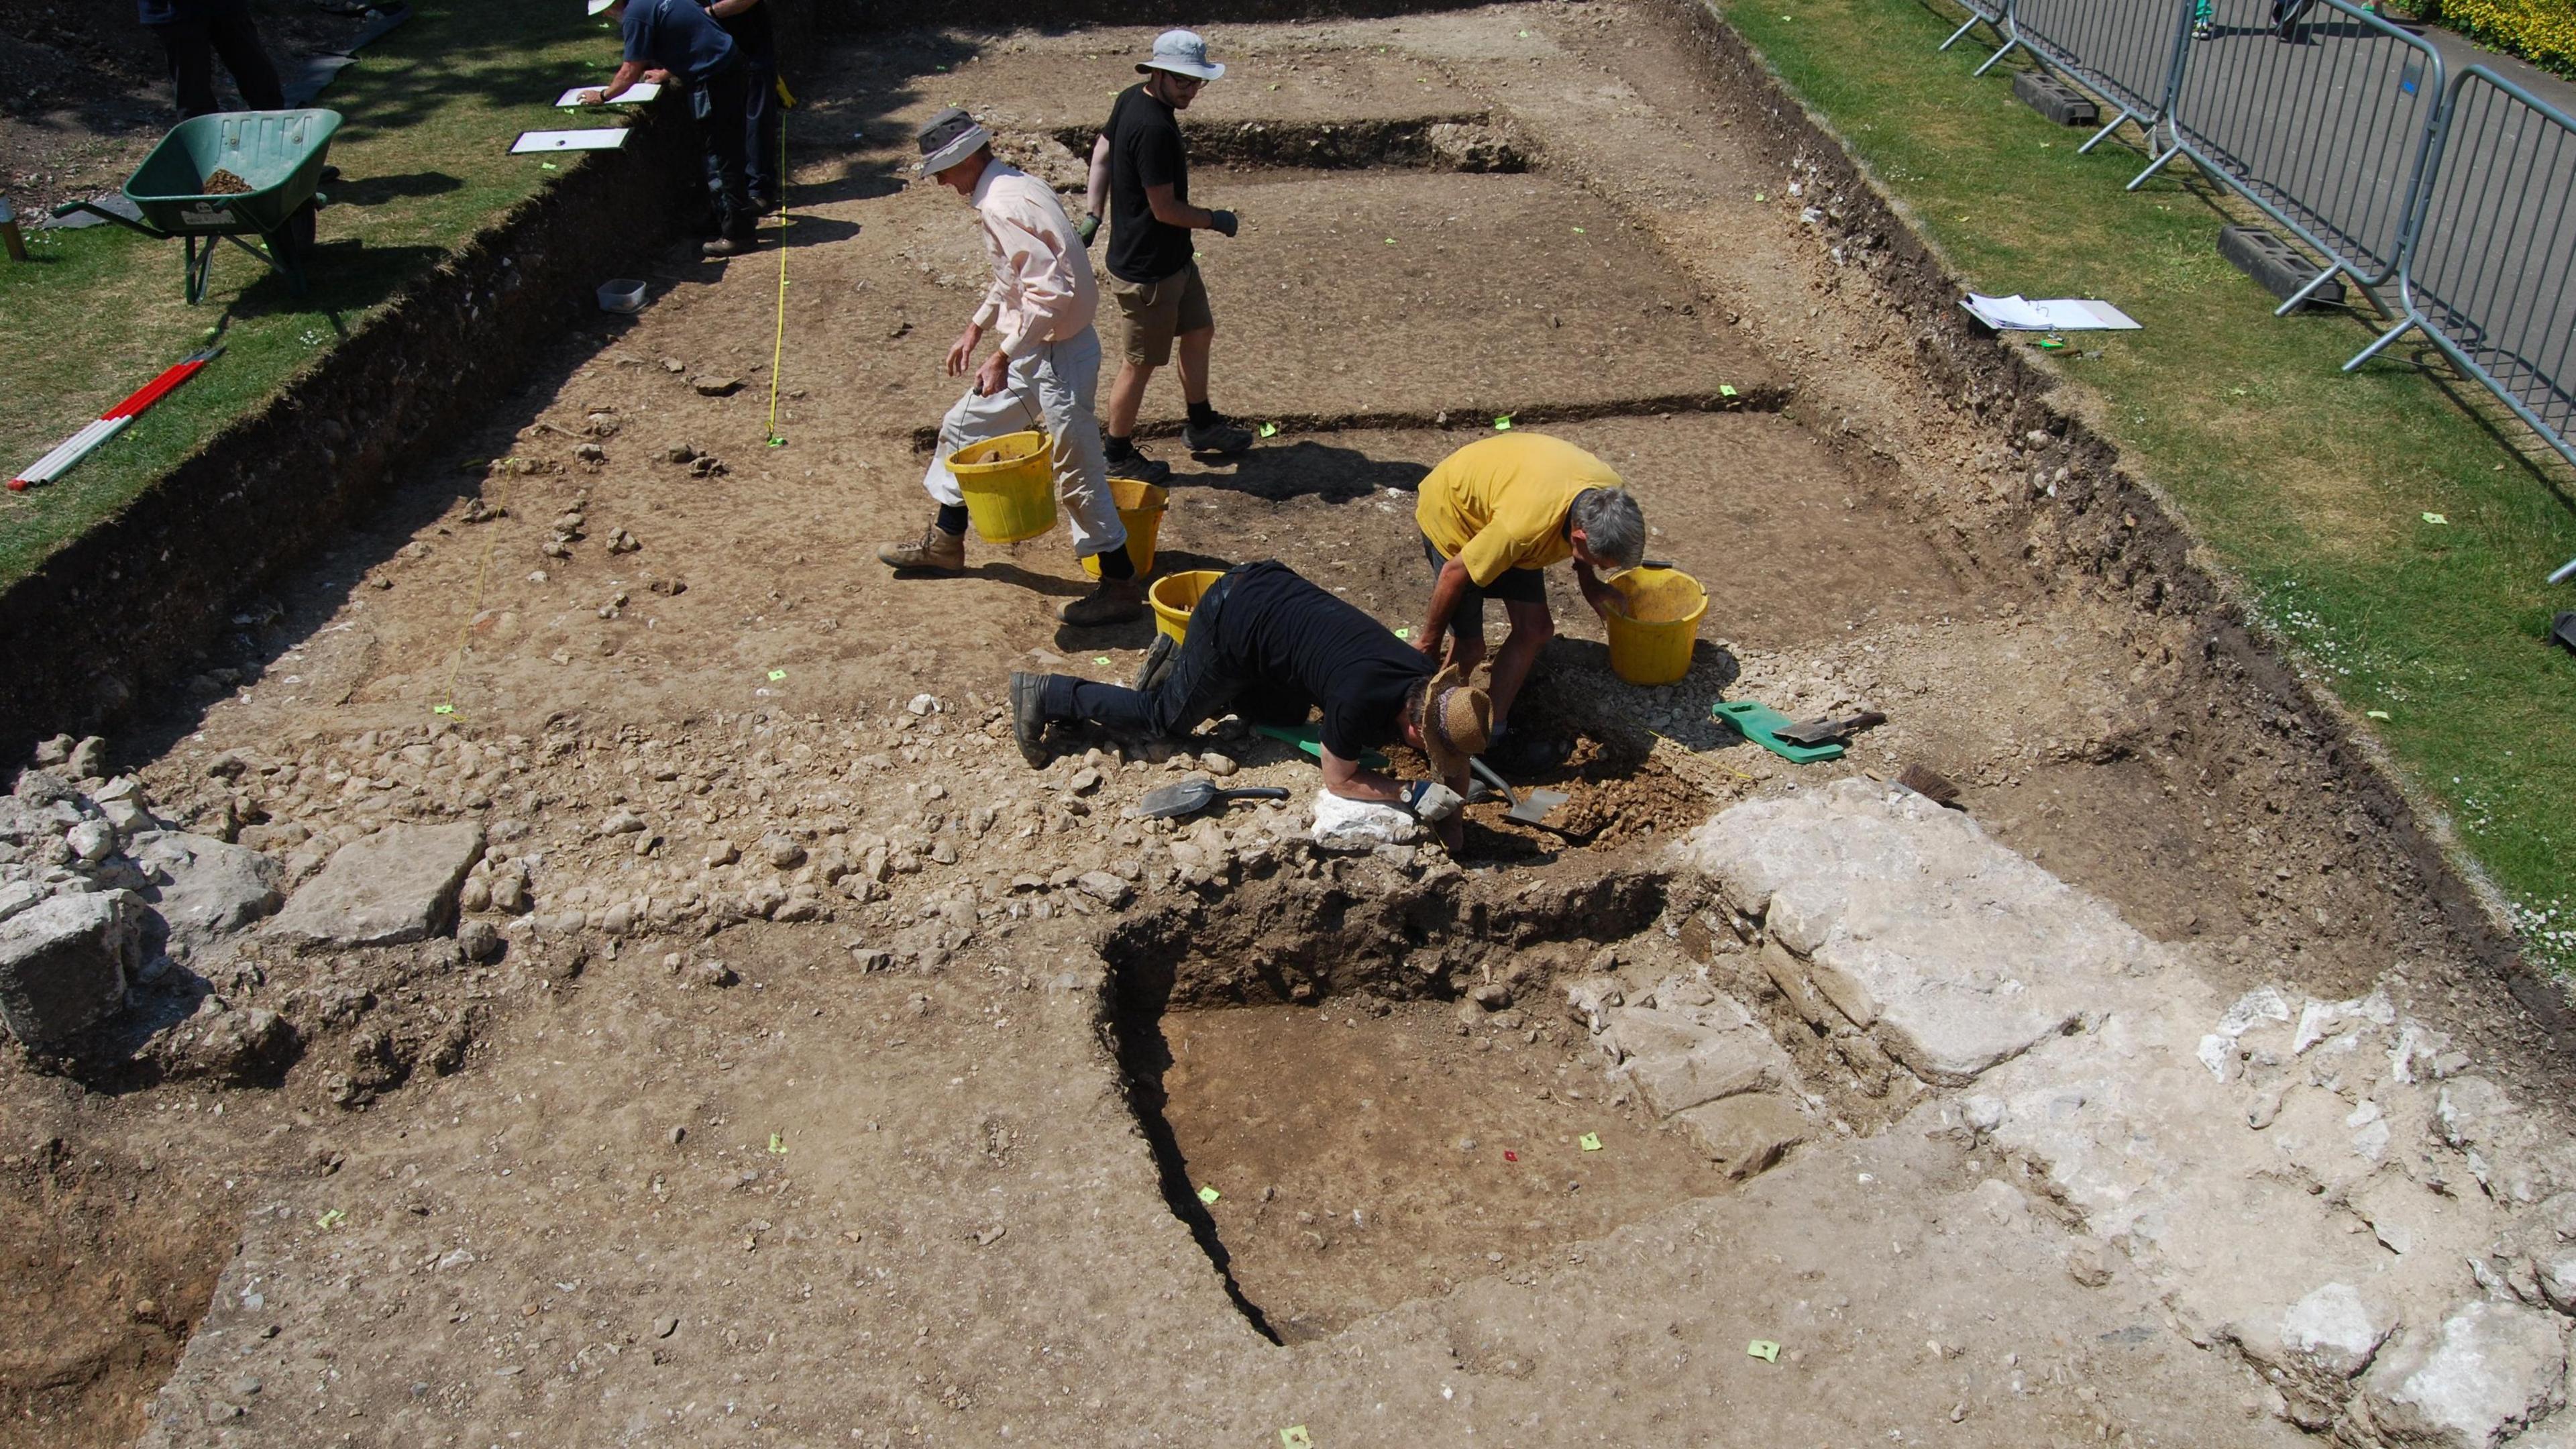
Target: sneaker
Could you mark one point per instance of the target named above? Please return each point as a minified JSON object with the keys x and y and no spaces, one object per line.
{"x":1116,"y":601}
{"x":2201,"y":30}
{"x":938,"y":552}
{"x":1158,"y":663}
{"x":1028,"y":718}
{"x":1134,"y":464}
{"x":726,"y":246}
{"x":1219,"y":434}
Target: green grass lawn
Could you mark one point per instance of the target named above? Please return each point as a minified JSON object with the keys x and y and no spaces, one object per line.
{"x":2312,"y":486}
{"x":429,"y":113}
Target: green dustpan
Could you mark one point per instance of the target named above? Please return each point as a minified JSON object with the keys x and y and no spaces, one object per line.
{"x":1310,"y":738}
{"x":1759,"y":723}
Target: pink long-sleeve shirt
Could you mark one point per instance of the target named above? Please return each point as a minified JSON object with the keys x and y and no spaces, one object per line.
{"x":1042,"y":286}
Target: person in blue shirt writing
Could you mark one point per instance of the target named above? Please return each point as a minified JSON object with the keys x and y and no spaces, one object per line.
{"x":677,"y":39}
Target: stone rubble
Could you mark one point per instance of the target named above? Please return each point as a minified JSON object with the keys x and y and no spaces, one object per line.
{"x":2410,"y":1282}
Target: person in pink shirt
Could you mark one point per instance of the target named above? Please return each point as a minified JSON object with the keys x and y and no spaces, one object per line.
{"x":1042,"y":375}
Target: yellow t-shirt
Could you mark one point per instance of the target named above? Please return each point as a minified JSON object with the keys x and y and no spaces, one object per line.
{"x":1500,"y":503}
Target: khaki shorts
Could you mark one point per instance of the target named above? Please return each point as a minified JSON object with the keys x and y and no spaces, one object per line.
{"x":1157,"y":312}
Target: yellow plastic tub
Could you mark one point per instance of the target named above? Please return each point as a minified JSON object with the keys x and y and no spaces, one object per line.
{"x":1652,"y":636}
{"x":1175,"y":595}
{"x":1009,"y":485}
{"x":1140,"y":507}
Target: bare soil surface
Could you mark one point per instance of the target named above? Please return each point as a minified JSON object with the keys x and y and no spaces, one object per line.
{"x":823,"y":1103}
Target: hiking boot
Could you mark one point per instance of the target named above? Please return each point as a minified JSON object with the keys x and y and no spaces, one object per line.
{"x":1158,"y":663}
{"x":1134,"y":464}
{"x":1219,"y":434}
{"x":1028,"y":719}
{"x":726,"y":246}
{"x":939,"y":552}
{"x":1116,"y":601}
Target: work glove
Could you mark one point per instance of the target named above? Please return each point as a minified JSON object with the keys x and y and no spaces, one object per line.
{"x":1087,"y":228}
{"x":1223,"y":221}
{"x":1431,"y":802}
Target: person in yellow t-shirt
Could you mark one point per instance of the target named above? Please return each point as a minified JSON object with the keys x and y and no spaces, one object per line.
{"x":1494,"y":515}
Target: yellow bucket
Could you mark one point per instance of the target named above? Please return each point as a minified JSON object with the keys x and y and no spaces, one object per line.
{"x":1009,"y":483}
{"x":1140,"y":507}
{"x":1652,"y":637}
{"x":1174,"y":595}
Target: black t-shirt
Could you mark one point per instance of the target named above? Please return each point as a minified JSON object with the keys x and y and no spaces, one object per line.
{"x":1284,"y":630}
{"x":1145,"y":150}
{"x":750,"y":30}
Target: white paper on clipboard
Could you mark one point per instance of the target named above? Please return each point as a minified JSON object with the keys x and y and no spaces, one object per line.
{"x":2017,"y":313}
{"x":638,"y":93}
{"x":607,"y":138}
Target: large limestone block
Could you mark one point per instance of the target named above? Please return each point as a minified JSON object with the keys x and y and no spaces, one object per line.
{"x":1956,"y":952}
{"x":2334,"y":1331}
{"x":1720,"y":1063}
{"x":204,"y":888}
{"x":64,"y":963}
{"x":1746,"y":1134}
{"x":396,"y":885}
{"x":2486,"y":1373}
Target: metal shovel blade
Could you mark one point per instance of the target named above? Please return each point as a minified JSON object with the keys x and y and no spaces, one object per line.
{"x":1530,"y":809}
{"x":1191,"y":796}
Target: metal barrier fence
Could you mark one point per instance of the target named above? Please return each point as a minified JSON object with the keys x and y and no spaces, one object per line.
{"x":2489,"y":277}
{"x":1989,"y":11}
{"x":2329,"y":135}
{"x":2127,"y":52}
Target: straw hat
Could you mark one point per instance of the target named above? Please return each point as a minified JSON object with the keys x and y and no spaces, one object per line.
{"x":1456,"y":722}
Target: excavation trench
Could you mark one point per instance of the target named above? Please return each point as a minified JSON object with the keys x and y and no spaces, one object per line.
{"x":1357,"y":1097}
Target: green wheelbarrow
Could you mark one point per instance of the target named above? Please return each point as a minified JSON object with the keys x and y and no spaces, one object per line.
{"x":276,"y":157}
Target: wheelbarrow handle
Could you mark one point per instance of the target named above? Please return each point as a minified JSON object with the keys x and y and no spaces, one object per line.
{"x":129,"y":223}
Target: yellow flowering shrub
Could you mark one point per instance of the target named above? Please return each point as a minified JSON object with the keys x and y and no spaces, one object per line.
{"x":2540,"y":31}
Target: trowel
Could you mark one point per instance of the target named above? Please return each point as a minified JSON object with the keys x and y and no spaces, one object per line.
{"x":1827,"y":730}
{"x":1530,"y":809}
{"x":1192,"y":796}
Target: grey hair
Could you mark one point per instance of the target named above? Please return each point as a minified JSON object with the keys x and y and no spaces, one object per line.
{"x":1613,"y":525}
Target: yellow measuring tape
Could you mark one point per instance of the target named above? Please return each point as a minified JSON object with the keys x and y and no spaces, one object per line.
{"x":778,"y":344}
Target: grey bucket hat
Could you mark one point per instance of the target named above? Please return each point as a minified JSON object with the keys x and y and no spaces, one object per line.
{"x":1182,"y":52}
{"x":948,"y":138}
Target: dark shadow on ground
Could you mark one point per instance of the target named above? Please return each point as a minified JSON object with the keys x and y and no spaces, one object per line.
{"x":376,"y":190}
{"x":1308,"y":467}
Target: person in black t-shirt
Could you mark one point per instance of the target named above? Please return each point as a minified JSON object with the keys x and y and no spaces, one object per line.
{"x":1265,"y":643}
{"x":1141,"y":166}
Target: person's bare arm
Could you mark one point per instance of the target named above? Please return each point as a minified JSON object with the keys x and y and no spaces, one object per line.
{"x":1170,"y":210}
{"x":1599,"y":595}
{"x":728,"y":9}
{"x":1446,"y":592}
{"x":1096,"y":196}
{"x":628,"y":73}
{"x":1354,"y":781}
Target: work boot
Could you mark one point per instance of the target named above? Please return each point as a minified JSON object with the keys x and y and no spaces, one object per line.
{"x":726,"y":246}
{"x":1219,"y":434}
{"x":1158,"y":662}
{"x":1131,"y":462}
{"x":1116,"y":601}
{"x":939,"y":552}
{"x":1028,"y":718}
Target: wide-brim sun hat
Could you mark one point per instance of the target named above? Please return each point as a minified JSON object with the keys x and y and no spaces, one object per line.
{"x":1182,"y":52}
{"x":948,"y":138}
{"x":1456,"y":722}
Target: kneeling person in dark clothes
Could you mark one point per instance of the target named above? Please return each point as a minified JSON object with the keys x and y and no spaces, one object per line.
{"x":678,"y":38}
{"x":1265,"y":643}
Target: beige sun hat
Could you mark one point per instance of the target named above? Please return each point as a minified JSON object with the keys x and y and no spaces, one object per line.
{"x":1456,"y":722}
